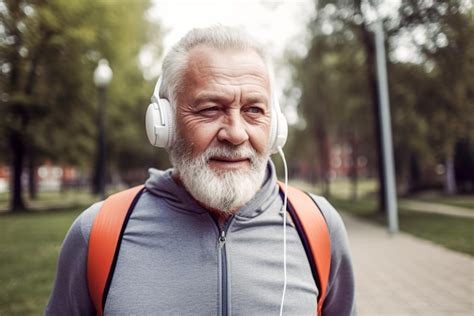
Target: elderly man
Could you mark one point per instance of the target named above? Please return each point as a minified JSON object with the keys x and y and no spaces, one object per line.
{"x":205,"y":237}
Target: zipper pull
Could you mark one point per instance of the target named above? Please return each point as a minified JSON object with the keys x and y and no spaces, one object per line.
{"x":222,"y":239}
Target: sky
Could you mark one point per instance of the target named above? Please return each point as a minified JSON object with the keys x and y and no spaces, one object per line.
{"x":281,"y":25}
{"x":273,"y":23}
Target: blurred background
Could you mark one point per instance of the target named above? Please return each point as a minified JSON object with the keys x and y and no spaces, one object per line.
{"x":76,"y":78}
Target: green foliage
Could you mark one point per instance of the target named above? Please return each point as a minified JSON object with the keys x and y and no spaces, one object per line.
{"x":335,"y":92}
{"x":431,"y":99}
{"x":448,"y":27}
{"x":49,"y":50}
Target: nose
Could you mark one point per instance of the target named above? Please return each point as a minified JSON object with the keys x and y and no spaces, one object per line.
{"x":233,"y":130}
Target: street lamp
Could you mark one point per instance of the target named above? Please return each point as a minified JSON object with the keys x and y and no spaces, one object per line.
{"x":102,"y":77}
{"x":390,"y":193}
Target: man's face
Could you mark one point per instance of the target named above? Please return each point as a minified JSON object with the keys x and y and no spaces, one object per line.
{"x":223,"y":124}
{"x":226,"y":101}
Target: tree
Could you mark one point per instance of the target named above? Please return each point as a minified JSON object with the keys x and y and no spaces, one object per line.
{"x":335,"y":97}
{"x":446,"y":27}
{"x":431,"y":95}
{"x":49,"y":50}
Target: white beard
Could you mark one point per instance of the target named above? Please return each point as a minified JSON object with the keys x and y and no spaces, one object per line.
{"x":223,"y":191}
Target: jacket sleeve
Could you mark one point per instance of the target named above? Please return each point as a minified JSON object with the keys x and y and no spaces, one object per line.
{"x":70,"y":295}
{"x":340,"y":298}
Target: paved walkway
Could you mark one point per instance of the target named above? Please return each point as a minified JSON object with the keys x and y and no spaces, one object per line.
{"x":420,"y":206}
{"x":403,"y":275}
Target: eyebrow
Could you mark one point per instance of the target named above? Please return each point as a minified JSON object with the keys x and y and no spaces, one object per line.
{"x":256,"y":98}
{"x":222,"y":98}
{"x":211,"y":96}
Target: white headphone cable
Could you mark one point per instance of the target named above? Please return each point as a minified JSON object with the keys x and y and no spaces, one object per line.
{"x":285,"y":201}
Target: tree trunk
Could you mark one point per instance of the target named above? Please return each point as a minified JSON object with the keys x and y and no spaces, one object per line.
{"x":354,"y":172}
{"x":414,"y":175}
{"x":369,"y":48}
{"x":32,"y":183}
{"x":18,"y":152}
{"x":324,"y":158}
{"x":327,"y":166}
{"x":450,"y":179}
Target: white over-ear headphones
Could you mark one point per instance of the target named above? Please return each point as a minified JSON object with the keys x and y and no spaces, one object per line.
{"x":160,"y":122}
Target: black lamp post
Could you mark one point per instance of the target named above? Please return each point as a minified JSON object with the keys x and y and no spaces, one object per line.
{"x":102,"y":77}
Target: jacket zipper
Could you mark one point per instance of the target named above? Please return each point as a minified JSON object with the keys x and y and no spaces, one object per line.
{"x":222,"y":248}
{"x":221,"y":241}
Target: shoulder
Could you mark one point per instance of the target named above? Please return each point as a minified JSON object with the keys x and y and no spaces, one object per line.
{"x":331,"y":215}
{"x":83,"y":223}
{"x":340,"y":298}
{"x":78,"y":235}
{"x":336,"y":228}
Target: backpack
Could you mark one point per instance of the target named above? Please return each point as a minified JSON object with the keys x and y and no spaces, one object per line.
{"x":111,"y":220}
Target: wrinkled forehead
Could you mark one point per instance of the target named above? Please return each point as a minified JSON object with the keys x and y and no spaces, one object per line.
{"x":207,"y":63}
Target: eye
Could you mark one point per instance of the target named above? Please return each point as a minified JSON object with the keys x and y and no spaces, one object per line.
{"x":209,"y":111}
{"x":254,"y":110}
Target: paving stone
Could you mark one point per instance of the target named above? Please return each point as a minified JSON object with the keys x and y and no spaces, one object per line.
{"x":404,"y":275}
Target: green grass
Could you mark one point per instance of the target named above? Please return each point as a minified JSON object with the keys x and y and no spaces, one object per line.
{"x":364,"y":208}
{"x":47,"y":201}
{"x":466,"y":201}
{"x":340,"y":188}
{"x":456,"y":233}
{"x":29,"y":246}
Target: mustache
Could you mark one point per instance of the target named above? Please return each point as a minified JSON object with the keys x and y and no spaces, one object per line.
{"x":231,"y":152}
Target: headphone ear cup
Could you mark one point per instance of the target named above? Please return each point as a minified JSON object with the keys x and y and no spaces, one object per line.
{"x":279,"y":132}
{"x":282,"y":132}
{"x":273,"y":131}
{"x":159,"y":123}
{"x":279,"y":127}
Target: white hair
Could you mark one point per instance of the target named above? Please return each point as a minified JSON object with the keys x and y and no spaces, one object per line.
{"x":224,"y":192}
{"x":217,"y":36}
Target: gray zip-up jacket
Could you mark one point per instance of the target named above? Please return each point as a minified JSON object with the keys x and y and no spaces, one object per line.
{"x":176,"y":260}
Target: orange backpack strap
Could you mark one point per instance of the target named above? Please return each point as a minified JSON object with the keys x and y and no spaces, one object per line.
{"x":104,"y":242}
{"x":313,"y":230}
